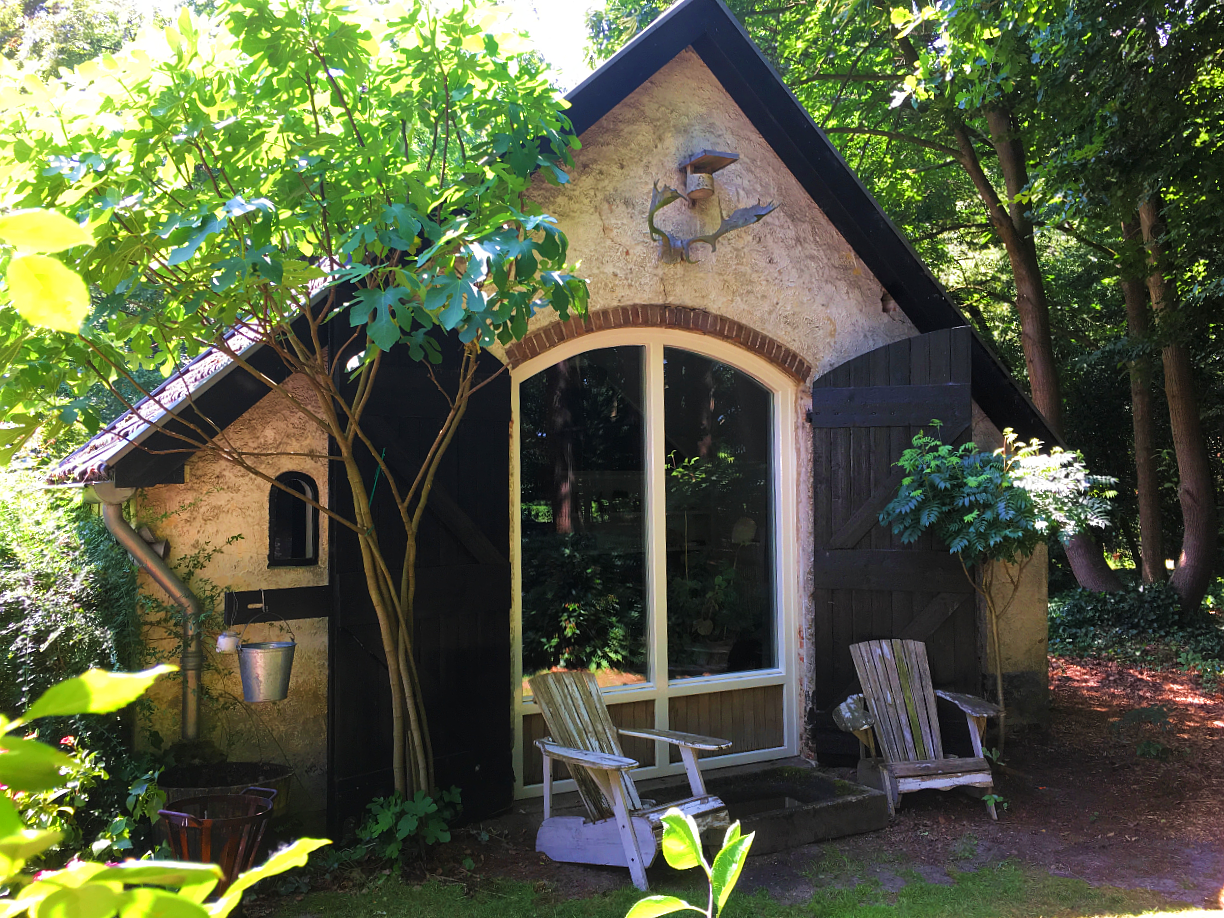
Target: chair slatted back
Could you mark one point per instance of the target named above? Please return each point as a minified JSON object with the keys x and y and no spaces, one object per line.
{"x":896,"y":681}
{"x":578,"y":718}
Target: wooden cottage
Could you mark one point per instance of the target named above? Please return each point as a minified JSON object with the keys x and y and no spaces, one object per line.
{"x":679,"y":491}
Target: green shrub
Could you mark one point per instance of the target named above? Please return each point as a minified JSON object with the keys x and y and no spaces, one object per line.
{"x":67,"y":604}
{"x":1125,"y":623}
{"x":57,"y":809}
{"x":67,"y":596}
{"x":132,"y":889}
{"x":81,"y":811}
{"x":393,"y":820}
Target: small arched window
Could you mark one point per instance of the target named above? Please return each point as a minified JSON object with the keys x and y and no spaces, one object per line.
{"x":293,"y":524}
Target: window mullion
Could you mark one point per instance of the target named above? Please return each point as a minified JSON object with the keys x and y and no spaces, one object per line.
{"x":656,"y":538}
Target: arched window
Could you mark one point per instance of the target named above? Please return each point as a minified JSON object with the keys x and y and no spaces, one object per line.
{"x":656,"y":529}
{"x":293,"y":524}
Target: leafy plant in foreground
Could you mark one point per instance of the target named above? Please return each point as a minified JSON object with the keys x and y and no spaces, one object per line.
{"x":682,"y":851}
{"x":995,"y":507}
{"x":132,"y":889}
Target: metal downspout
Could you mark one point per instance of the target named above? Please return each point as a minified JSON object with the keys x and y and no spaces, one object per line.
{"x":193,"y":657}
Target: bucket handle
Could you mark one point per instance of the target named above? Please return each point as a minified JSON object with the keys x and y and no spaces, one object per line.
{"x":263,"y":602}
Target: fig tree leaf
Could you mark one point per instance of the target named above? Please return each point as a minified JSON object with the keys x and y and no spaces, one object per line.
{"x":40,"y":230}
{"x":95,"y":692}
{"x":47,"y":293}
{"x":28,"y":765}
{"x":654,"y":906}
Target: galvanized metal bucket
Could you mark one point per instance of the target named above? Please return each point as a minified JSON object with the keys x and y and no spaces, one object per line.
{"x":265,"y":667}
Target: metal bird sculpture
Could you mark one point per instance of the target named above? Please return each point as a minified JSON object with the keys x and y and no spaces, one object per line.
{"x":673,"y":248}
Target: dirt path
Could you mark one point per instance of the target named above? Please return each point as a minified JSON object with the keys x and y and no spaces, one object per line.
{"x":1082,"y":802}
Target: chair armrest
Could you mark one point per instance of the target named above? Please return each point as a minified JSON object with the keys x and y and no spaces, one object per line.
{"x":600,"y":760}
{"x":852,"y":715}
{"x":692,"y":740}
{"x":971,"y":705}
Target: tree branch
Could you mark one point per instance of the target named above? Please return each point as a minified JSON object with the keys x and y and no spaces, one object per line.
{"x":952,"y":229}
{"x":897,"y":135}
{"x":1068,"y":230}
{"x":852,"y":78}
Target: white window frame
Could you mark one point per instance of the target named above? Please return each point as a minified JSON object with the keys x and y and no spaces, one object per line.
{"x":786,"y":491}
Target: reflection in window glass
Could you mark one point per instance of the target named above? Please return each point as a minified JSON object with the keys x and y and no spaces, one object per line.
{"x":583,"y":538}
{"x":293,"y":524}
{"x":720,"y":597}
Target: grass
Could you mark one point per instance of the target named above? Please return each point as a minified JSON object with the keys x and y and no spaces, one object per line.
{"x":998,"y":891}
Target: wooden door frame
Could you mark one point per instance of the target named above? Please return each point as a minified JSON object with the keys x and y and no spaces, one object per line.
{"x":787,"y":423}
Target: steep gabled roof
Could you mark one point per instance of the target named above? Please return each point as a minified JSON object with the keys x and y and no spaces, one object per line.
{"x":709,"y":28}
{"x":146,"y":446}
{"x":135,"y":451}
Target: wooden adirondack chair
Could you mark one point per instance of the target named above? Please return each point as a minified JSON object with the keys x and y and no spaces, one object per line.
{"x":620,"y":829}
{"x":898,"y":704}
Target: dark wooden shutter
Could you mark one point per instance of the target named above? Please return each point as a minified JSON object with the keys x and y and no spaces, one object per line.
{"x":463,"y":597}
{"x":867,"y":584}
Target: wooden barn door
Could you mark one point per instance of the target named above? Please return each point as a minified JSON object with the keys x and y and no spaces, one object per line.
{"x":868,"y":584}
{"x":463,"y":597}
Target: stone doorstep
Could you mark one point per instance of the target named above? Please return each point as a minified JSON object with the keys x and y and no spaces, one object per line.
{"x":847,"y":809}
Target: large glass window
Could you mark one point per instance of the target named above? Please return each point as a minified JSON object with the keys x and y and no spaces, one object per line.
{"x":600,"y":573}
{"x":720,"y":607}
{"x":583,"y":499}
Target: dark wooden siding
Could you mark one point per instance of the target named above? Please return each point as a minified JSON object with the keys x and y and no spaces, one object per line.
{"x":463,"y":598}
{"x":867,"y":584}
{"x":750,"y":718}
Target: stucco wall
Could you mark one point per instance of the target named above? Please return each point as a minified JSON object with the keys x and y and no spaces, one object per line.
{"x":219,"y":500}
{"x":791,"y":276}
{"x":1023,"y":625}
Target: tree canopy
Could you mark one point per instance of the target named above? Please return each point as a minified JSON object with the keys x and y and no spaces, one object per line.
{"x":266,"y":176}
{"x":1010,"y":143}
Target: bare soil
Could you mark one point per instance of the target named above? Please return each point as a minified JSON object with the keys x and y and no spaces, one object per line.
{"x":1082,"y":800}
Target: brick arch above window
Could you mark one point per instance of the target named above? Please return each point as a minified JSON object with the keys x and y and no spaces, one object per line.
{"x":684,"y":318}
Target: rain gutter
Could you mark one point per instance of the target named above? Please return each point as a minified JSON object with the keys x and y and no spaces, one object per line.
{"x":112,"y":500}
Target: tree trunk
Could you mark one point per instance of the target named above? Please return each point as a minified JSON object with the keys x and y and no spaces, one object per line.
{"x":1031,"y":303}
{"x":1015,"y":229}
{"x":1151,"y":550}
{"x":1196,"y":488}
{"x":387,"y":624}
{"x":559,"y":397}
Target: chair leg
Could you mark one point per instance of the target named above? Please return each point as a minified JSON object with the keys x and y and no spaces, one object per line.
{"x":610,"y":784}
{"x":889,"y":786}
{"x":547,"y":787}
{"x":990,"y":805}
